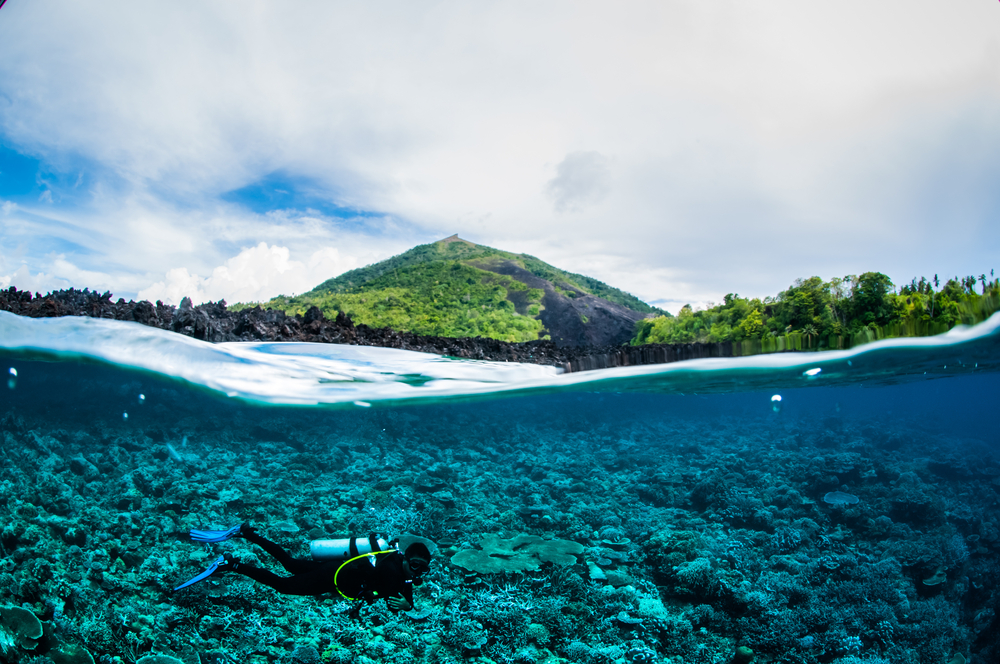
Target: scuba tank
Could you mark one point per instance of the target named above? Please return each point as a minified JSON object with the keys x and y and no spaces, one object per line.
{"x":348,"y":547}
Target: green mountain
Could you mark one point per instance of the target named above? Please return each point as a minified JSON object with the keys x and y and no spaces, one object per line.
{"x":455,"y":288}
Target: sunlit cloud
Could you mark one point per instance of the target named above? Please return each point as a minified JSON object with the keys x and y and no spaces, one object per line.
{"x":56,"y":273}
{"x":255,"y":274}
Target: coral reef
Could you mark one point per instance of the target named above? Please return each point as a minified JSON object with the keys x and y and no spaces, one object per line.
{"x":582,"y":528}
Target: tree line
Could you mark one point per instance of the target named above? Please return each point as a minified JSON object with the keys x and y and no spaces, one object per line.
{"x":840,"y":313}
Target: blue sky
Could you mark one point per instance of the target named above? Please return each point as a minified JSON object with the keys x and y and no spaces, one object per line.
{"x":679,"y":151}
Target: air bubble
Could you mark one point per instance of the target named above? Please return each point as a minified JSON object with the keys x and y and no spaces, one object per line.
{"x":776,"y":403}
{"x":812,"y":372}
{"x":125,"y":416}
{"x":12,"y":380}
{"x":142,"y":399}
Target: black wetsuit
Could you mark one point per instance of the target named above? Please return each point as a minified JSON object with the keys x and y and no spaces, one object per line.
{"x":358,"y":579}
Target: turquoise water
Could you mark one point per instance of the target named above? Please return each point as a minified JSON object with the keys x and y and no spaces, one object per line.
{"x":706,"y":514}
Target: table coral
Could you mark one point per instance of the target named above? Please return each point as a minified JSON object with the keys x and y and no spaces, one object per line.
{"x":518,"y":554}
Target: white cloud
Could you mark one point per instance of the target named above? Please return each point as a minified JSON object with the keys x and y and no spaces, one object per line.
{"x":582,"y":178}
{"x":8,"y":207}
{"x":135,"y":242}
{"x":753,"y":142}
{"x":74,"y":275}
{"x":255,"y":274}
{"x":22,"y":279}
{"x":57,"y":273}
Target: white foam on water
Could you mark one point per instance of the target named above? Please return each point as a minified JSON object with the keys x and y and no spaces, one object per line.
{"x":311,"y":373}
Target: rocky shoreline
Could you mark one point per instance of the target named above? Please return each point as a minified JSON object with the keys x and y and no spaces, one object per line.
{"x":215,"y":322}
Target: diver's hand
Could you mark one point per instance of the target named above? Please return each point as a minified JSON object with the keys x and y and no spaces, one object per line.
{"x":398,"y":603}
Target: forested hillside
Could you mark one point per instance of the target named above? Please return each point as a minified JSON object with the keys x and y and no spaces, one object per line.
{"x":455,"y":288}
{"x":445,"y":299}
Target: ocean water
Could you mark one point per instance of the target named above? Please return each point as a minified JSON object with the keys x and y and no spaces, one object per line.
{"x":699,"y":517}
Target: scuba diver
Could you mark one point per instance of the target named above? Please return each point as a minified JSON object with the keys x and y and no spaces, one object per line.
{"x":368,"y":570}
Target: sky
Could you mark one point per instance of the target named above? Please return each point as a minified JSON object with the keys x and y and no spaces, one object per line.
{"x":678,"y":150}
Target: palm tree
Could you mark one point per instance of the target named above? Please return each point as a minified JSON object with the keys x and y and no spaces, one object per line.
{"x":810,"y":331}
{"x":933,"y":293}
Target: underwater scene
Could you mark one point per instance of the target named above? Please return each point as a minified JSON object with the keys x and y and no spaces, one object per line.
{"x":836,"y":507}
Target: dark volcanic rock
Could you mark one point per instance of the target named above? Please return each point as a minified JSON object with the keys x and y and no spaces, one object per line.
{"x":214,"y":322}
{"x":576,"y":319}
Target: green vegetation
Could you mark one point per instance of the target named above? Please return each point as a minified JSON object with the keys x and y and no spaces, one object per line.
{"x":840,"y":313}
{"x":445,"y":298}
{"x":454,"y":288}
{"x":485,"y":258}
{"x":450,"y":288}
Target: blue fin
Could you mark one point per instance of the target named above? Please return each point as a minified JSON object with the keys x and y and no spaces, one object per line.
{"x":204,"y":575}
{"x":214,"y":536}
